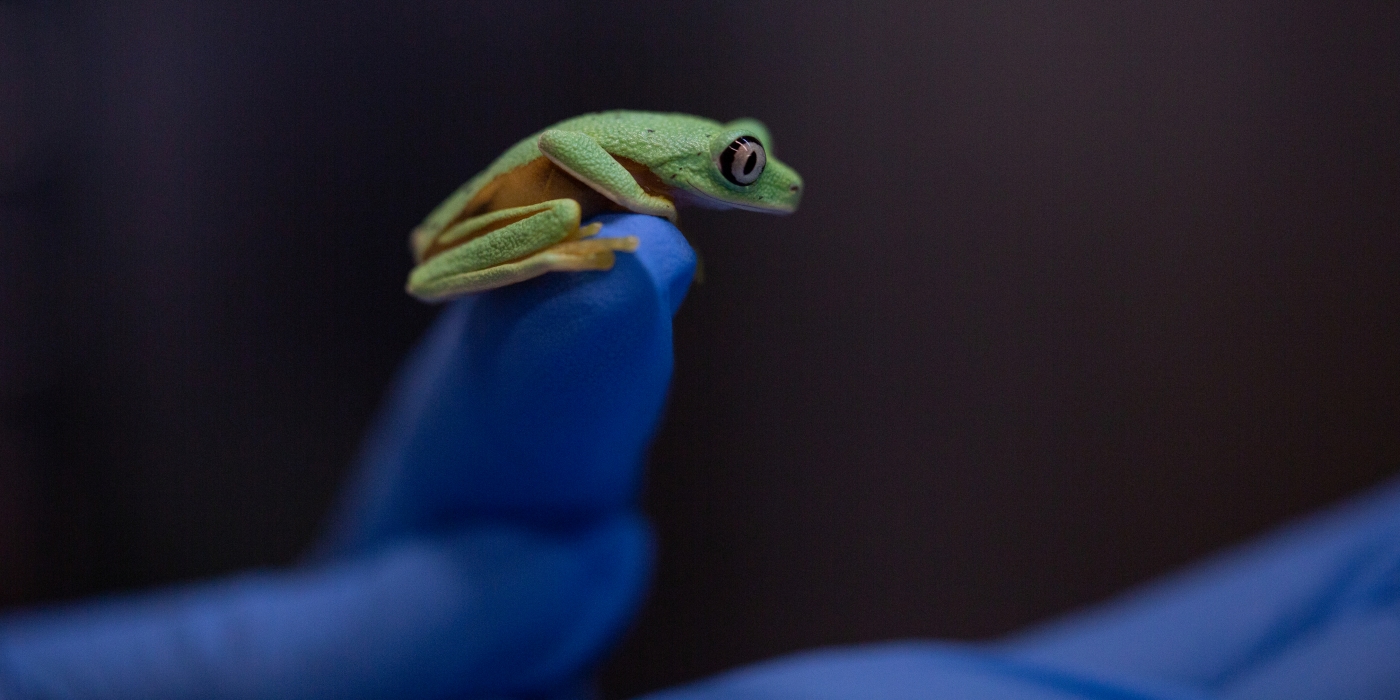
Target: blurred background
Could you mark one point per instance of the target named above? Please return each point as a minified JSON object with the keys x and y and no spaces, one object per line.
{"x":1079,"y":292}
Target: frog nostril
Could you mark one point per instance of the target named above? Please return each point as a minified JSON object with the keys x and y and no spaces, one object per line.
{"x":794,"y":188}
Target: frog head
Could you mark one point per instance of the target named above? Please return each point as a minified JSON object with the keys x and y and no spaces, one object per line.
{"x":738,"y":172}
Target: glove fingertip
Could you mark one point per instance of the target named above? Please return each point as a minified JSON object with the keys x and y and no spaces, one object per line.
{"x":664,"y":252}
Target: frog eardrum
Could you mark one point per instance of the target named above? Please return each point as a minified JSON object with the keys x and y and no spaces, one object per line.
{"x":743,"y":161}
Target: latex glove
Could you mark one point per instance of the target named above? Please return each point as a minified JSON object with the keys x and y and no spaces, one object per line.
{"x":1311,"y":612}
{"x":489,"y":546}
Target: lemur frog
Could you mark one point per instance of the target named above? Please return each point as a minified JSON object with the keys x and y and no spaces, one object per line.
{"x":520,"y":217}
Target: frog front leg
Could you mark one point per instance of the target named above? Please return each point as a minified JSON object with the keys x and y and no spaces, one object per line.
{"x":518,"y":243}
{"x":580,"y":156}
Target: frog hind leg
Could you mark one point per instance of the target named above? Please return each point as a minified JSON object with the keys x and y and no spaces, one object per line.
{"x":577,"y":255}
{"x":513,"y":245}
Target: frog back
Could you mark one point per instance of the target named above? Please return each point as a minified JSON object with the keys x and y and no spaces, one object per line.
{"x":646,"y":138}
{"x":649,"y":138}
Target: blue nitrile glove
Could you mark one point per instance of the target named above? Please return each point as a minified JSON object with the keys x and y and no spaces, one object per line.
{"x":1309,"y":613}
{"x":489,"y":546}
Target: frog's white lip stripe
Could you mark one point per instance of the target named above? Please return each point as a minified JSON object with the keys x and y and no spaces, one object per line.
{"x":700,"y":198}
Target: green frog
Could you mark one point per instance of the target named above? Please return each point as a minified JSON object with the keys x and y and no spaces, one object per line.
{"x":520,"y":217}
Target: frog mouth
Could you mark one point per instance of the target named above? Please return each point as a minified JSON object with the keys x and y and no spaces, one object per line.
{"x":698,"y":198}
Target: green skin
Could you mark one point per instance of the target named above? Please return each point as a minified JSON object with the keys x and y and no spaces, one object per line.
{"x":680,"y":152}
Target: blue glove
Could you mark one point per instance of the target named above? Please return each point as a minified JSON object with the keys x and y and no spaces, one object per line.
{"x":1311,"y":612}
{"x":489,"y":545}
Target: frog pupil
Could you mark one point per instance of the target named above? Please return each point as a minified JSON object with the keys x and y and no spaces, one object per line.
{"x":747,"y":154}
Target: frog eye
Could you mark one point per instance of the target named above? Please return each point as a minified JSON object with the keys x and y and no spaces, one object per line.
{"x":743,"y":161}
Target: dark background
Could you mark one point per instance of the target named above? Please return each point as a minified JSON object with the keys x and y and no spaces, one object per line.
{"x":1078,"y":292}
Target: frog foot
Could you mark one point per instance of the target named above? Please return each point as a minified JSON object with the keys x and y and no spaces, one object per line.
{"x":587,"y":231}
{"x":585,"y":254}
{"x":572,"y":255}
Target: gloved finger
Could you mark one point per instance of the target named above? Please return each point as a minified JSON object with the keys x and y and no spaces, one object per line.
{"x":1327,"y":585}
{"x":913,"y":671}
{"x":481,"y":612}
{"x":531,"y":403}
{"x":1354,"y":656}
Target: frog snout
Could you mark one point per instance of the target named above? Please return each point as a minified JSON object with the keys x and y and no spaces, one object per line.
{"x":794,"y":194}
